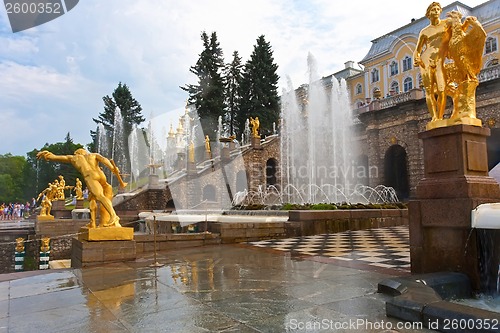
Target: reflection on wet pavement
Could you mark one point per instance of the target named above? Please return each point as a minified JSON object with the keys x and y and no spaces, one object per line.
{"x":225,"y":288}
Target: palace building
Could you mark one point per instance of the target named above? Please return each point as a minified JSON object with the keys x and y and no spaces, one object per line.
{"x":388,"y":99}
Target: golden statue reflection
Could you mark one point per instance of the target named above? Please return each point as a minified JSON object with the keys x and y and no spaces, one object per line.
{"x":460,"y":43}
{"x":88,"y":165}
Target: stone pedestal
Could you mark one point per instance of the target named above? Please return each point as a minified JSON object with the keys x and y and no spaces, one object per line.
{"x":455,"y":182}
{"x":256,"y":142}
{"x":79,"y":204}
{"x":86,"y":254}
{"x":59,"y":210}
{"x":191,"y":168}
{"x":106,"y":234}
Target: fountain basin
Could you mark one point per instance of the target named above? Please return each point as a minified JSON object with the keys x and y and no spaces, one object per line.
{"x":426,"y":298}
{"x":486,"y":216}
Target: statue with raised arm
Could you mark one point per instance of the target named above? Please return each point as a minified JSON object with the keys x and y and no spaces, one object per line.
{"x":78,"y":189}
{"x":88,"y":165}
{"x":438,"y":43}
{"x":47,"y":195}
{"x":255,"y":123}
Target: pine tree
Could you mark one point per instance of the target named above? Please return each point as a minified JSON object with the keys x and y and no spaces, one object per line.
{"x":208,"y":94}
{"x":259,"y":88}
{"x":233,"y":77}
{"x":118,"y":131}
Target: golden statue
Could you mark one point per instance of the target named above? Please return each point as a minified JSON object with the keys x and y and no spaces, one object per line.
{"x":255,"y":123}
{"x":78,"y":189}
{"x":191,"y":151}
{"x":450,"y":39}
{"x":61,"y":186}
{"x":19,"y":244}
{"x":88,"y":165}
{"x":207,"y":144}
{"x":45,"y":246}
{"x":48,"y":195}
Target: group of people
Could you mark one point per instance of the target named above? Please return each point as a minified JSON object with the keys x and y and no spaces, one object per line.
{"x":14,"y":211}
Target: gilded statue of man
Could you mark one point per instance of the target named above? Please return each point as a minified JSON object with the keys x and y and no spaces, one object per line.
{"x":430,"y":54}
{"x":255,"y":123}
{"x":461,"y":45}
{"x":88,"y":165}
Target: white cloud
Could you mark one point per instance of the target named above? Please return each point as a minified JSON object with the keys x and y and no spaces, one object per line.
{"x":57,"y":73}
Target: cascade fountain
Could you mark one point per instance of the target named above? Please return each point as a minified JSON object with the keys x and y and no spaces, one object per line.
{"x":318,"y":152}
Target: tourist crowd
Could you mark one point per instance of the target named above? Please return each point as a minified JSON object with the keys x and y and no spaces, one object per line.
{"x":14,"y":211}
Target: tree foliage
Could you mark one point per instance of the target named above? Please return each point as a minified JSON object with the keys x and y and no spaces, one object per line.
{"x":233,"y":77}
{"x":44,"y":172}
{"x":259,"y":88}
{"x":13,"y":178}
{"x":208,"y":95}
{"x":116,"y":127}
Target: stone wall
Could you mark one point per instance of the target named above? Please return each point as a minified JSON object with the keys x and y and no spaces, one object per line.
{"x":399,"y":125}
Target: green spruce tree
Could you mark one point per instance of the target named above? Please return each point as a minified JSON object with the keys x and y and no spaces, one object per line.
{"x":233,"y":77}
{"x":259,"y":88}
{"x":117,"y":127}
{"x":208,"y":94}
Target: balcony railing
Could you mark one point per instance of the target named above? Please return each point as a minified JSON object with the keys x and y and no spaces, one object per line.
{"x":487,"y":74}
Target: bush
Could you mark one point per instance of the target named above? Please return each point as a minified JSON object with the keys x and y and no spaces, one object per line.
{"x":323,"y":206}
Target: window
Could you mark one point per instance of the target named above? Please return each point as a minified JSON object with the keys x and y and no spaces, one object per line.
{"x":394,"y":68}
{"x":406,"y":64}
{"x":395,"y":87}
{"x":375,"y":75}
{"x":491,"y":45}
{"x":419,"y":81}
{"x":359,"y":89}
{"x":491,"y":63}
{"x":408,"y":84}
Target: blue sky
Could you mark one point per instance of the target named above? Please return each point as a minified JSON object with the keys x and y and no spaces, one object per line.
{"x":53,"y":76}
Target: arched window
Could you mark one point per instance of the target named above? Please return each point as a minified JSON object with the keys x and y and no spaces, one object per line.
{"x":271,"y":168}
{"x":395,"y":87}
{"x":408,"y":84}
{"x":407,"y":64}
{"x":491,"y":63}
{"x":491,"y":45}
{"x":209,"y":193}
{"x":419,"y":81}
{"x":359,"y":89}
{"x":375,"y":75}
{"x":394,"y":68}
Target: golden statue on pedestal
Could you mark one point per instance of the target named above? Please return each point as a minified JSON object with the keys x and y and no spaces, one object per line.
{"x":88,"y":165}
{"x":78,"y":189}
{"x":207,"y":144}
{"x":191,"y":152}
{"x":462,"y":44}
{"x":48,"y":195}
{"x":255,"y":123}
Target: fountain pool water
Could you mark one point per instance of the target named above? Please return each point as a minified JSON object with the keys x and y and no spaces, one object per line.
{"x":317,"y":146}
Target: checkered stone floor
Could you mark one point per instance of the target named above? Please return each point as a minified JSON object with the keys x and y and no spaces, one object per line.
{"x":383,"y":247}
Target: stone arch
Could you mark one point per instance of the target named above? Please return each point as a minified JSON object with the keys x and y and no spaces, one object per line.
{"x":493,"y":146}
{"x":396,"y":171}
{"x":209,"y":193}
{"x":271,"y":171}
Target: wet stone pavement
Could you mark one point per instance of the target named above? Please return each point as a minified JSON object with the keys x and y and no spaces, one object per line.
{"x":224,"y":288}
